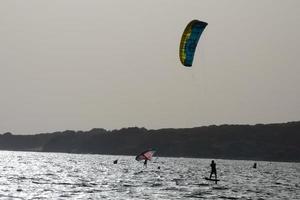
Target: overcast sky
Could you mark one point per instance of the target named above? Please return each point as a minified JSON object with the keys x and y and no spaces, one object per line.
{"x":70,"y":64}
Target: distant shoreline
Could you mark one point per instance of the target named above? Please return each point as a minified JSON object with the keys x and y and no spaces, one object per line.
{"x":261,"y":142}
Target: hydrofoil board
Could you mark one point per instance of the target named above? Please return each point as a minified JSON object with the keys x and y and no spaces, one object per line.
{"x":211,"y":179}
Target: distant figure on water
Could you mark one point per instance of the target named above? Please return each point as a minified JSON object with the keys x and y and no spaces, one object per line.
{"x":213,"y":169}
{"x":145,"y":156}
{"x":255,"y":165}
{"x":116,"y":161}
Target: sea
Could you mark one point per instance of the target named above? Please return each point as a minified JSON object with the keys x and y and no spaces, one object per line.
{"x":36,"y":175}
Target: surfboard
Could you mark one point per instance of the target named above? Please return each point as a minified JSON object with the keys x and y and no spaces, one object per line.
{"x":210,"y":179}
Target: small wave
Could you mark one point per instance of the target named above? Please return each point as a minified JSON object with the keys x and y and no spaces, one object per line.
{"x":49,"y":174}
{"x":171,"y":188}
{"x":136,"y":173}
{"x":198,"y":194}
{"x":128,"y":185}
{"x":202,"y":184}
{"x":10,"y":197}
{"x":156,"y":184}
{"x":93,"y":191}
{"x":220,"y":188}
{"x":21,"y":178}
{"x":64,"y":183}
{"x":224,"y":197}
{"x":65,"y":195}
{"x":193,"y":196}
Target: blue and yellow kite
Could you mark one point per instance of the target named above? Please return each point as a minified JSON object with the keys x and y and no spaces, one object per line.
{"x":189,"y":41}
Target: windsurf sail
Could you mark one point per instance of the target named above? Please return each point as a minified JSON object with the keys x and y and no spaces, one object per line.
{"x":145,"y":155}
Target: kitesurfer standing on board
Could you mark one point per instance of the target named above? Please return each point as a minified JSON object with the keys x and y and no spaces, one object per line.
{"x":145,"y":162}
{"x":213,"y":169}
{"x":255,"y":165}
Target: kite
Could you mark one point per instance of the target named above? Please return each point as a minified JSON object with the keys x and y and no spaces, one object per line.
{"x":189,"y":41}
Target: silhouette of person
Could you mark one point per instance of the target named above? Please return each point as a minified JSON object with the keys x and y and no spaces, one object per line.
{"x":213,"y":169}
{"x":255,"y":165}
{"x":145,"y":163}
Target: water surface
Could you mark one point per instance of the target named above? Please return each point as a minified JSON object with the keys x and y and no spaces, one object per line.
{"x":31,"y":175}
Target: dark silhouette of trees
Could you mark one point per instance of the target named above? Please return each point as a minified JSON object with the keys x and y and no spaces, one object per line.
{"x":277,"y":142}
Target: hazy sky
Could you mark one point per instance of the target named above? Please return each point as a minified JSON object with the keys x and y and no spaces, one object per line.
{"x":70,"y":64}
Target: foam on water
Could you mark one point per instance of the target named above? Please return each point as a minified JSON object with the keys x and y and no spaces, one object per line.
{"x":30,"y":175}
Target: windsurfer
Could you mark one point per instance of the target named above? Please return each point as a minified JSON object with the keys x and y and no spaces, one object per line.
{"x":146,"y":155}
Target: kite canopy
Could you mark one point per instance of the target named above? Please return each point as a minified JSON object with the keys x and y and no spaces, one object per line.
{"x":146,"y":155}
{"x":189,"y":41}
